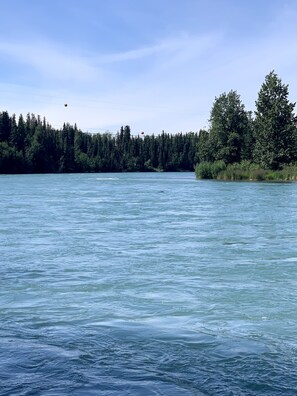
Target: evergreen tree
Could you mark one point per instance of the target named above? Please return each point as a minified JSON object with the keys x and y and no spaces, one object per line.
{"x":17,"y":135}
{"x":67,"y":159}
{"x":275,"y":124}
{"x":203,"y":151}
{"x":4,"y":127}
{"x":11,"y":160}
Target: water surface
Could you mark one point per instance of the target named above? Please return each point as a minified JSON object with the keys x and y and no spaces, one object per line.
{"x":147,"y":284}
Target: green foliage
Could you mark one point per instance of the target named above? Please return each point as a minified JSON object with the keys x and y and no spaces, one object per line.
{"x":203,"y":170}
{"x":234,"y":172}
{"x":275,"y":125}
{"x":217,"y":168}
{"x":5,"y":127}
{"x":226,"y":151}
{"x":11,"y":160}
{"x":209,"y":170}
{"x":245,"y":171}
{"x":229,"y":123}
{"x":203,"y":147}
{"x":34,"y":146}
{"x":269,"y":141}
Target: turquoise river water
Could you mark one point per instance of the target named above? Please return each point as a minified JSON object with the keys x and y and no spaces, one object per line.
{"x":147,"y":284}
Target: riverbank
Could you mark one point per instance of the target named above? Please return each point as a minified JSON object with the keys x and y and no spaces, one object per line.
{"x":245,"y":171}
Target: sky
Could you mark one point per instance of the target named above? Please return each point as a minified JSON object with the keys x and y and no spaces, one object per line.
{"x":152,"y":64}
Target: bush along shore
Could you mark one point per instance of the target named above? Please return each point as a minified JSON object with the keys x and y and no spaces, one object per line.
{"x":244,"y":171}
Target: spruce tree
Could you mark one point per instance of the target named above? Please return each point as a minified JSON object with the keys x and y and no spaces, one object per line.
{"x":5,"y":128}
{"x":275,"y":124}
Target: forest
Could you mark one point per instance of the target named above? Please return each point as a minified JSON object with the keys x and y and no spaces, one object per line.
{"x":235,"y":138}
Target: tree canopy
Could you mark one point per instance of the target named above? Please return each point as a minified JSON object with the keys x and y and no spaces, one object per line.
{"x":33,"y":146}
{"x":269,"y":139}
{"x":275,"y":124}
{"x":229,"y":128}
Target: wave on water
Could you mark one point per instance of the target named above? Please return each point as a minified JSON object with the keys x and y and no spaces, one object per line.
{"x":115,"y":288}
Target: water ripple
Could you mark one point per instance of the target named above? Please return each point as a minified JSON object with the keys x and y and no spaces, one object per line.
{"x":147,"y":284}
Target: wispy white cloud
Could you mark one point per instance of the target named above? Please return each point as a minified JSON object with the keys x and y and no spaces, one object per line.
{"x":57,"y":62}
{"x":49,"y":60}
{"x":137,"y":98}
{"x":168,"y":84}
{"x":183,"y":44}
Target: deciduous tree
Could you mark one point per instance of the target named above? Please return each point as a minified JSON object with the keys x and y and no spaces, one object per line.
{"x":229,"y":123}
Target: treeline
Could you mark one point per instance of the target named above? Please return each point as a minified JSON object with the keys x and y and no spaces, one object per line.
{"x":33,"y":146}
{"x":265,"y":140}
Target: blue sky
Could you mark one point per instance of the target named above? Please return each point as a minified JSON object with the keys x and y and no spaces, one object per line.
{"x":152,"y":64}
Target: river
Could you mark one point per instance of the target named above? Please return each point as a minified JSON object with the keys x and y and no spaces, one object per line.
{"x":147,"y":284}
